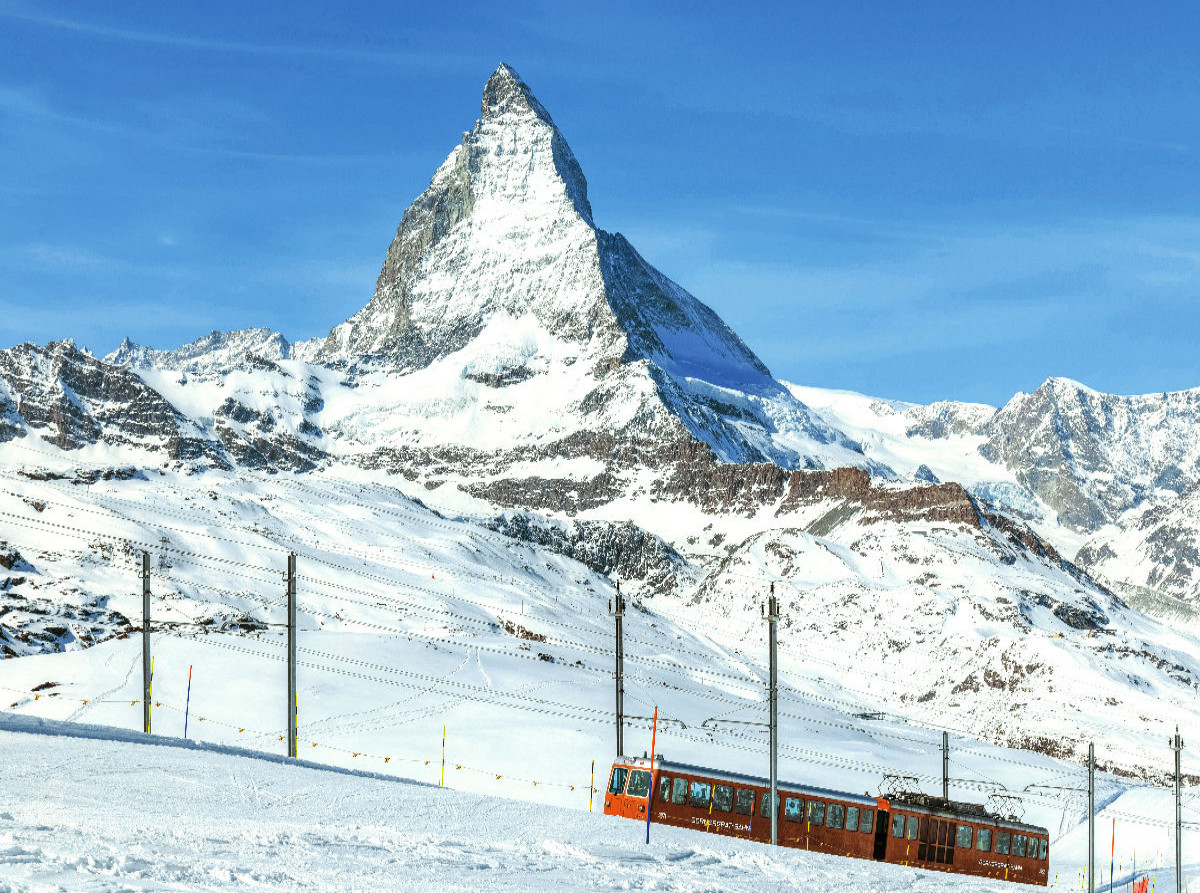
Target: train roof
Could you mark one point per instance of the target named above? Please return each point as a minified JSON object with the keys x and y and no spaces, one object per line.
{"x":790,"y":787}
{"x":952,"y":809}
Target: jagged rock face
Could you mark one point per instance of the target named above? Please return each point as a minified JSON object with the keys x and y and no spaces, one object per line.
{"x":947,"y":418}
{"x":1157,"y":554}
{"x":74,"y":400}
{"x":39,"y":625}
{"x":622,"y":552}
{"x":505,"y":226}
{"x":1092,"y":456}
{"x":47,"y":625}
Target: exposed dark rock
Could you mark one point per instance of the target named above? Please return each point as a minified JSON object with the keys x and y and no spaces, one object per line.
{"x":619,"y":551}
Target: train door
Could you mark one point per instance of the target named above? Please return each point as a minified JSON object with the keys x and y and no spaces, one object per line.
{"x":637,"y":795}
{"x":881,"y":833}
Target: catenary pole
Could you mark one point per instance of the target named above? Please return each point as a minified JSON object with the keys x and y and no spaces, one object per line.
{"x":147,"y":690}
{"x":773,"y":696}
{"x":293,"y":719}
{"x":1091,"y":854}
{"x":945,"y":765}
{"x":1177,"y":746}
{"x":619,"y":614}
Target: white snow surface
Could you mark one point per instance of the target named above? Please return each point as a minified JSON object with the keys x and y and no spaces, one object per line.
{"x":91,"y":808}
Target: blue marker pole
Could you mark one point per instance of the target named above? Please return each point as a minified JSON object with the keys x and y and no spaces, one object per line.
{"x":188,"y":705}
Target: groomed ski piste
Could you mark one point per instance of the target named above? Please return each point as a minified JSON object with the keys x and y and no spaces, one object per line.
{"x":414,"y":625}
{"x":91,"y":808}
{"x":94,"y":808}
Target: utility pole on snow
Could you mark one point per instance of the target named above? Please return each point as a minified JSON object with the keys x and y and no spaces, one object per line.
{"x":1177,"y":746}
{"x":1091,"y":856}
{"x":292,"y":711}
{"x":617,"y":610}
{"x":945,"y":765}
{"x":773,"y":698}
{"x":147,"y":672}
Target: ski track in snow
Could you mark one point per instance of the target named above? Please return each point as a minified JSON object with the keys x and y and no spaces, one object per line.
{"x":133,"y":664}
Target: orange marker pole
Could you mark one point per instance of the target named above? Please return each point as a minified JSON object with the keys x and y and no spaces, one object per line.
{"x":650,"y":796}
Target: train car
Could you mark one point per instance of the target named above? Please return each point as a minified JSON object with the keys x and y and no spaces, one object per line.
{"x":917,"y":830}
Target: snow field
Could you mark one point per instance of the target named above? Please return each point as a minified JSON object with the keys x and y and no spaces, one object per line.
{"x":107,"y":812}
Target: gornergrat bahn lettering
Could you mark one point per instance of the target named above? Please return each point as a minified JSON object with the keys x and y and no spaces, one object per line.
{"x":913,"y":829}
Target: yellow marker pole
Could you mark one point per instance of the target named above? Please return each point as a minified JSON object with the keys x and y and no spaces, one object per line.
{"x":592,"y":786}
{"x":442,"y":782}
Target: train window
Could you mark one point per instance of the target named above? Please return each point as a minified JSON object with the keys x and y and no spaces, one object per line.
{"x":617,"y":784}
{"x":965,"y":833}
{"x":868,"y":819}
{"x":639,"y":784}
{"x":679,"y":795}
{"x":816,"y":812}
{"x":699,"y":794}
{"x":765,"y":799}
{"x":793,"y":809}
{"x":664,"y":790}
{"x":744,"y":802}
{"x":914,"y":824}
{"x":897,"y":825}
{"x":852,"y":818}
{"x":1045,"y":850}
{"x":1002,"y":839}
{"x":983,"y":840}
{"x":723,"y":798}
{"x":837,"y":816}
{"x":1018,"y":845}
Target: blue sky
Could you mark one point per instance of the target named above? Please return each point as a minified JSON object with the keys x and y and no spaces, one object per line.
{"x":920,"y":201}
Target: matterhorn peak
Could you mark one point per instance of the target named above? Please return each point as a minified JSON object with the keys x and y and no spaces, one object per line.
{"x":505,"y":93}
{"x":499,"y":277}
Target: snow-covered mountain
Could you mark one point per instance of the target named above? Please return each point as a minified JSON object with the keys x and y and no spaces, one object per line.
{"x":217,"y":352}
{"x":1093,"y":456}
{"x":536,"y":383}
{"x":499,"y":292}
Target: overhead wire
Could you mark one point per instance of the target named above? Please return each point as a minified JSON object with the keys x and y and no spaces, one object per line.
{"x":246,"y":565}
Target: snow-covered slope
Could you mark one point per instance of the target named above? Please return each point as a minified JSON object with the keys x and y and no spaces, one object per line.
{"x":1153,"y":556}
{"x":920,"y":616}
{"x":206,"y":818}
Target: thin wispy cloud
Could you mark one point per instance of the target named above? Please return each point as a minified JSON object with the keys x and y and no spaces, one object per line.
{"x":32,"y":106}
{"x":154,"y":38}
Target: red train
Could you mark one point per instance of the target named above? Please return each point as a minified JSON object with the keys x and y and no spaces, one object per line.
{"x":925,"y":832}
